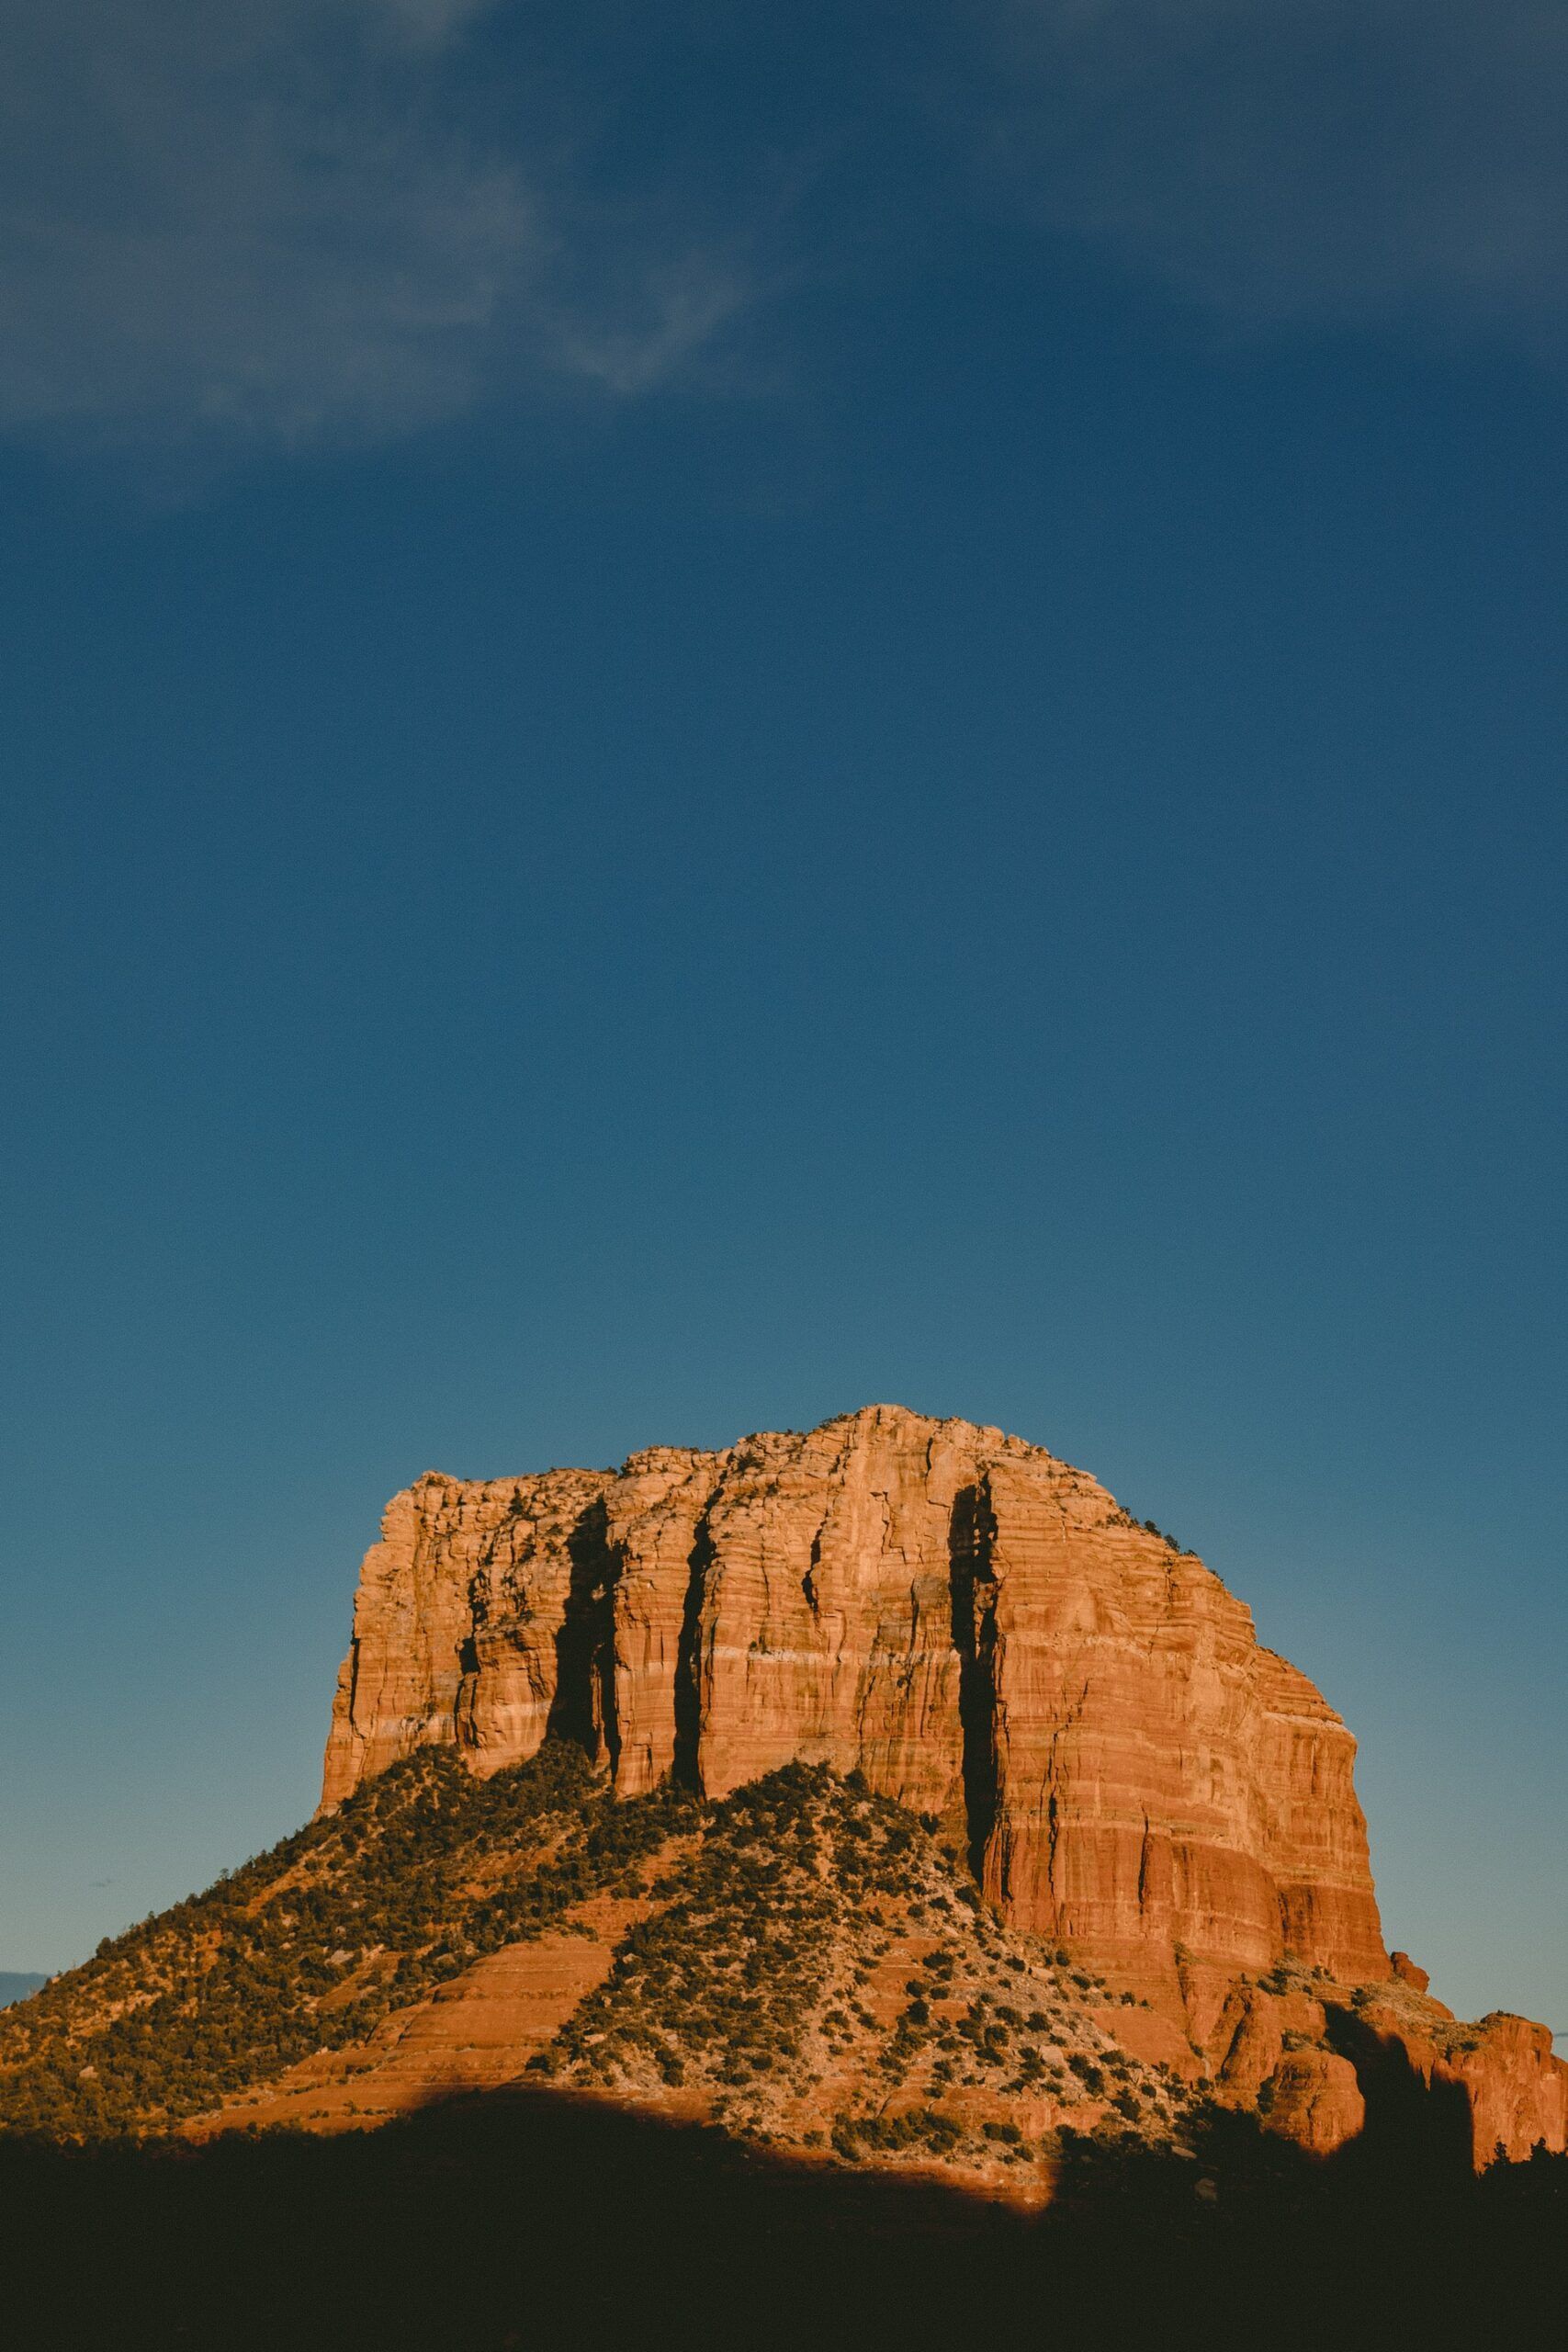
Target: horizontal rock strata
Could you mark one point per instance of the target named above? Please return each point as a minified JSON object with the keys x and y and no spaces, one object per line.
{"x":970,"y":1622}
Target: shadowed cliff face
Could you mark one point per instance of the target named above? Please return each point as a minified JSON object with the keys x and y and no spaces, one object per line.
{"x":974,"y":1639}
{"x":971,"y":1623}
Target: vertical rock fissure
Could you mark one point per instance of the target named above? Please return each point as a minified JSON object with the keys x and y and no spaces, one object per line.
{"x":808,"y":1581}
{"x":583,"y":1708}
{"x":971,"y":1535}
{"x":687,"y":1763}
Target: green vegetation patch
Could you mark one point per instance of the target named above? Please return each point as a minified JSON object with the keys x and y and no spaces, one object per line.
{"x":778,"y":1948}
{"x":730,"y":1974}
{"x":309,"y":1947}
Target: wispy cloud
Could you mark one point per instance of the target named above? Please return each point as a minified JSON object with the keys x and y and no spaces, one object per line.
{"x":275,"y":220}
{"x":291,"y":222}
{"x":1340,"y":159}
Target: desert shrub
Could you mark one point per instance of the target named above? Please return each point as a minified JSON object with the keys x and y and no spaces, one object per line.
{"x":916,"y":2128}
{"x":229,"y":1987}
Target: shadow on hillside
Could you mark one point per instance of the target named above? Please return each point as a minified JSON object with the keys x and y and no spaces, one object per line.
{"x":522,"y":2220}
{"x":1418,"y":2129}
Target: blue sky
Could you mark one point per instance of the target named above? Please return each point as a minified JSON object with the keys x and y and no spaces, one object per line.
{"x":705,"y":721}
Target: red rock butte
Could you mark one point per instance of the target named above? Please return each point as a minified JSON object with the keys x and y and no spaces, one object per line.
{"x":976,"y":1626}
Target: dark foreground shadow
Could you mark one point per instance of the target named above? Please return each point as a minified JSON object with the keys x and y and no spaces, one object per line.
{"x":529,"y":2220}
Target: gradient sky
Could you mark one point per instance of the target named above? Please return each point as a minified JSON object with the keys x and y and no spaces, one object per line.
{"x":710,"y":714}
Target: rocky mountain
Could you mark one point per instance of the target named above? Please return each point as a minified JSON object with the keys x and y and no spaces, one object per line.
{"x":884,"y":1794}
{"x":978,"y":1628}
{"x":988,"y":1638}
{"x":15,"y":1984}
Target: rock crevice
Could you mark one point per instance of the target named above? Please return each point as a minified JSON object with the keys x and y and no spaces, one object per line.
{"x":973,"y":1584}
{"x":688,"y":1692}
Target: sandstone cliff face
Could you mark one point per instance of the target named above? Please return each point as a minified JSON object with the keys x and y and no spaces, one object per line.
{"x":459,"y":1621}
{"x":967,"y":1621}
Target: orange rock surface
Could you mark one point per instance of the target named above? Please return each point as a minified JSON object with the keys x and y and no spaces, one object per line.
{"x":475,"y":2034}
{"x":1503,"y":2085}
{"x":1316,"y":2101}
{"x":966,"y":1619}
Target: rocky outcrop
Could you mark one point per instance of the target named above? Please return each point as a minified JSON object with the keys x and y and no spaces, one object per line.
{"x":1515,"y":2088}
{"x":1270,"y":2051}
{"x":972,"y":1624}
{"x":1315,"y":2098}
{"x":1497,"y":2081}
{"x":459,"y":1624}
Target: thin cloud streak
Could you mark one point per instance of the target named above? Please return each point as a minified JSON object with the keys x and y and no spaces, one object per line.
{"x":279,"y":227}
{"x":1335,"y":160}
{"x":318,"y":222}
